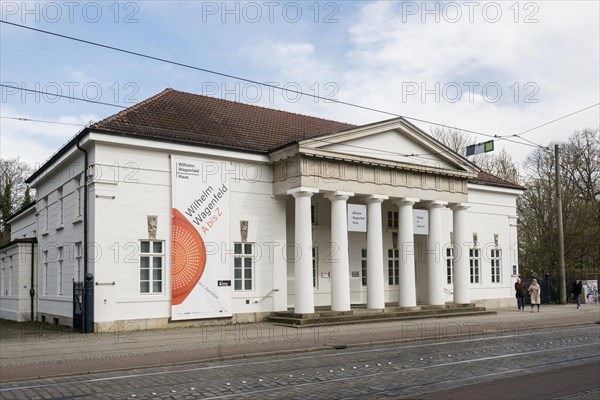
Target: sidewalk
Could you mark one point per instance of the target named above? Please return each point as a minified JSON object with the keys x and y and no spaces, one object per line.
{"x":28,"y":353}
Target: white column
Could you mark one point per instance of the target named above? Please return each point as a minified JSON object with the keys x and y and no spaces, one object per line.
{"x":279,"y":258}
{"x":340,"y":267}
{"x":407,"y":291}
{"x":375,"y":267}
{"x":436,"y":267}
{"x":304,"y":301}
{"x":461,"y":277}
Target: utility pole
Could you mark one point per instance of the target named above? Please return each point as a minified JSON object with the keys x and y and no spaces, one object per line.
{"x":559,"y":222}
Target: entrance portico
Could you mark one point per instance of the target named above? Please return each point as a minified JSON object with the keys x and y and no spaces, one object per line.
{"x":343,"y":170}
{"x":340,"y":257}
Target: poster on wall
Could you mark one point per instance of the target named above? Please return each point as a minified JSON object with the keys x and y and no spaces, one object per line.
{"x":590,"y":291}
{"x":200,"y":277}
{"x":357,"y":218}
{"x":421,"y":222}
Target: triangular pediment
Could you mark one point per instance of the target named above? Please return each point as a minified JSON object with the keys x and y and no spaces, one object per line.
{"x":395,"y":141}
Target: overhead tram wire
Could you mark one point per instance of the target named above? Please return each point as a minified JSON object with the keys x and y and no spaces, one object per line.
{"x":533,"y":144}
{"x":555,"y":120}
{"x":380,"y":151}
{"x":135,"y":53}
{"x":22,"y":119}
{"x":239,"y":78}
{"x":495,"y":136}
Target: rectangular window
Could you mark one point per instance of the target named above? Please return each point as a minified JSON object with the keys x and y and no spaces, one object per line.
{"x":59,"y":271}
{"x":10,"y":276}
{"x":78,"y":262}
{"x":315,"y":266}
{"x":392,"y":219}
{"x":59,"y":206}
{"x":474,"y":263}
{"x":46,"y":214}
{"x":45,"y":272}
{"x":79,"y":184}
{"x":363,"y":266}
{"x":393,"y":266}
{"x":313,"y":214}
{"x":243,"y":266}
{"x":449,"y":265}
{"x":3,"y":283}
{"x":496,"y":263}
{"x":151,"y":267}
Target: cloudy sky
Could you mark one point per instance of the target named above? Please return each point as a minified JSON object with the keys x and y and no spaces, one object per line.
{"x":498,"y":68}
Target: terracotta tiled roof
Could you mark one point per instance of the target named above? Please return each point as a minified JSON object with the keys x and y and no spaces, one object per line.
{"x":485,"y":178}
{"x":191,"y":118}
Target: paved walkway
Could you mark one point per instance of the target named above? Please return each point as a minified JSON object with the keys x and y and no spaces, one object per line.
{"x":27,"y":353}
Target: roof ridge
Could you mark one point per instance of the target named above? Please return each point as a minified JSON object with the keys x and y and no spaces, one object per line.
{"x":134,"y":107}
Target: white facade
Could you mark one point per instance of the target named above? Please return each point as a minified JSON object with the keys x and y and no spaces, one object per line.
{"x":17,"y":260}
{"x":290,"y":206}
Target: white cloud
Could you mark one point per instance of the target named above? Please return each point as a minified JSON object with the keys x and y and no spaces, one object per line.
{"x":544,"y":69}
{"x":554,"y":61}
{"x":373,"y":57}
{"x":35,"y":142}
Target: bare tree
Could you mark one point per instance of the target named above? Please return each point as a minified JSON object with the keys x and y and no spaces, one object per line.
{"x":456,"y":139}
{"x":13,"y":191}
{"x":536,"y":210}
{"x":499,"y":164}
{"x":580,"y":166}
{"x":580,"y":191}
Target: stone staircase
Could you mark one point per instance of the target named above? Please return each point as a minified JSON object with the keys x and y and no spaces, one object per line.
{"x":360,"y":314}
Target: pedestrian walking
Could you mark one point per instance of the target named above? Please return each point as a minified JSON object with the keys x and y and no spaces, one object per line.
{"x":535,"y":294}
{"x":520,"y":294}
{"x":577,"y":290}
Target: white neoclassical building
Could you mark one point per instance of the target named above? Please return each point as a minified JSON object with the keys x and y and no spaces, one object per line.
{"x":186,"y":207}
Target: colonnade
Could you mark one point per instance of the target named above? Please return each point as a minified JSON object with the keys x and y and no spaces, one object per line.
{"x":340,"y":272}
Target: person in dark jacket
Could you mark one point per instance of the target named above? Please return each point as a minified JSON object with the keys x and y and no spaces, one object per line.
{"x":577,"y":290}
{"x":520,"y":294}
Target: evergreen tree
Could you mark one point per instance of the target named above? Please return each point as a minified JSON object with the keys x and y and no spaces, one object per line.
{"x":5,"y":212}
{"x":27,"y":200}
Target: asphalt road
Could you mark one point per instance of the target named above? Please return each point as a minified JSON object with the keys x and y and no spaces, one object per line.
{"x":550,"y":363}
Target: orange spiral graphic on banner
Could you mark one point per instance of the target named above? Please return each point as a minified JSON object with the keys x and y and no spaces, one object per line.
{"x":188,"y":258}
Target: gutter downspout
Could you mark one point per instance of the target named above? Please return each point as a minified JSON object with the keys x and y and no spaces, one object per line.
{"x":88,"y":293}
{"x":85,"y":209}
{"x":32,"y":290}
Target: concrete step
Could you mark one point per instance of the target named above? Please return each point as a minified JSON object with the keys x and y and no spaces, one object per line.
{"x":359,"y":316}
